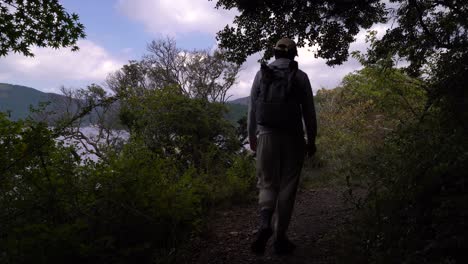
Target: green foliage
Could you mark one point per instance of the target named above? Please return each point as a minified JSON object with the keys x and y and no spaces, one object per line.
{"x":37,"y":23}
{"x":236,"y":186}
{"x":416,"y":208}
{"x":193,"y":131}
{"x":39,"y":188}
{"x":355,"y":118}
{"x":59,"y":211}
{"x":144,"y":206}
{"x":377,"y":131}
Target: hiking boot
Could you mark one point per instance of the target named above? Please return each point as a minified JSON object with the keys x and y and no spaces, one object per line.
{"x":284,"y":246}
{"x":259,"y":244}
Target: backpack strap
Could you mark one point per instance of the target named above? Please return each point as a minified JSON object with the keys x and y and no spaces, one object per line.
{"x":265,"y":81}
{"x":293,"y":68}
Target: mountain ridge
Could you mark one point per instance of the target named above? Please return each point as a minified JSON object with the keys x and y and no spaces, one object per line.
{"x":241,"y":101}
{"x":15,"y":100}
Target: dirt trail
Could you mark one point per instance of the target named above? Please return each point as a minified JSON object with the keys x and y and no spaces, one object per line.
{"x":317,"y":213}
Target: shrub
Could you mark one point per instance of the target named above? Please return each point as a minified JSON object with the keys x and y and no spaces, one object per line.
{"x":354,"y":119}
{"x":415,"y":211}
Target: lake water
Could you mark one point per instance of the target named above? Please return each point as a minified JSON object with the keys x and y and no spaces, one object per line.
{"x":92,"y":133}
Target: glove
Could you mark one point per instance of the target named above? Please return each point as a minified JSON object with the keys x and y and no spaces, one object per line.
{"x":310,"y":149}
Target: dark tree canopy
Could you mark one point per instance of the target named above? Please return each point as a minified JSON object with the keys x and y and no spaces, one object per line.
{"x":332,"y":24}
{"x":423,"y":30}
{"x":43,"y":23}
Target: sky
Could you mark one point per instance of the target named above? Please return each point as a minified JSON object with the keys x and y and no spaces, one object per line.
{"x":119,"y":30}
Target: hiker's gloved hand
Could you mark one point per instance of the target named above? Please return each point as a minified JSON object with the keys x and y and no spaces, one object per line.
{"x":311,"y":149}
{"x":253,"y":143}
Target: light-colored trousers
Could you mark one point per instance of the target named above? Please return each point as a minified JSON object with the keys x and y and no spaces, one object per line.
{"x":279,"y":163}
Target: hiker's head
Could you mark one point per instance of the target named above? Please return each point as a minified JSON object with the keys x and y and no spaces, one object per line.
{"x":285,"y":48}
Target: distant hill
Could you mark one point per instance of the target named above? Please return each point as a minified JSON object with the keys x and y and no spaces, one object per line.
{"x":237,"y":109}
{"x":241,"y":101}
{"x":16,"y":99}
{"x":235,"y":112}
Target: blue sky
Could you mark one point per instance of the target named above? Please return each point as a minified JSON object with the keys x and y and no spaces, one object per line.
{"x":108,"y":26}
{"x":119,"y":30}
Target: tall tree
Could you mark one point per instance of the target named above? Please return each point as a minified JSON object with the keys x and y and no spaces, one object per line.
{"x":196,"y":74}
{"x":42,"y":23}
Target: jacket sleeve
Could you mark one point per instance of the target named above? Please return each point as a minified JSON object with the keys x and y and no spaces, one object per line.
{"x":308,"y":110}
{"x":251,"y":120}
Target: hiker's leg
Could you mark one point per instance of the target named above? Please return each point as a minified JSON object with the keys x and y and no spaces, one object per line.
{"x":292,"y":160}
{"x":268,"y":171}
{"x":268,"y":184}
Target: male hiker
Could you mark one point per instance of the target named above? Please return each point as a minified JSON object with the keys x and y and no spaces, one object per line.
{"x":280,"y":100}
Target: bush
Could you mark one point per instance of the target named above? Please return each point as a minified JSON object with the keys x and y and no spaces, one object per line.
{"x":193,"y":131}
{"x":354,"y":119}
{"x":378,"y":130}
{"x":416,"y":208}
{"x":40,"y":195}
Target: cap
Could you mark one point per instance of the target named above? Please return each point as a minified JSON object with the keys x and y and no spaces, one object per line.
{"x":286,"y":44}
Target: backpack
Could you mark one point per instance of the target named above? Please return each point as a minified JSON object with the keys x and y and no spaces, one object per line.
{"x":278,"y":103}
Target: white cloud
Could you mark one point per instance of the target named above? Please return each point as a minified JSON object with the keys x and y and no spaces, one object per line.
{"x":176,"y":16}
{"x":51,"y":68}
{"x":246,"y":77}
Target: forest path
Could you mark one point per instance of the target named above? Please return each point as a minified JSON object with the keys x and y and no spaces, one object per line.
{"x":317,"y":213}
